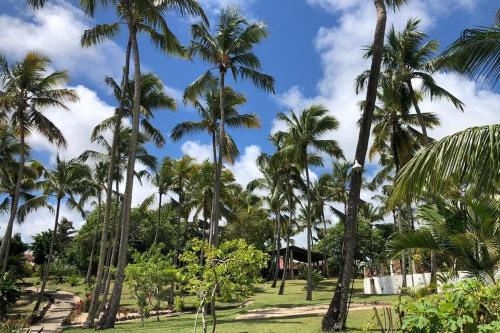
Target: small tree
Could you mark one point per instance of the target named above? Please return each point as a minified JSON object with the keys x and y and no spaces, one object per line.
{"x":228,"y":271}
{"x":148,"y":276}
{"x":9,"y":293}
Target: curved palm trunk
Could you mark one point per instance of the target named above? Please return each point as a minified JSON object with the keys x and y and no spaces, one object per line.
{"x":288,"y":236}
{"x":4,"y":248}
{"x":426,"y":142}
{"x":214,"y":235}
{"x":336,"y":315}
{"x":127,"y":202}
{"x":94,"y":239}
{"x":278,"y":246}
{"x":309,"y":235}
{"x":46,"y":268}
{"x":89,"y":322}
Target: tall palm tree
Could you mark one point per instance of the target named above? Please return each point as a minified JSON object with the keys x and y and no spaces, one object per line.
{"x":209,"y":111}
{"x":336,"y":316}
{"x":144,"y":16}
{"x":475,"y":53}
{"x":68,"y":181}
{"x":407,"y":57}
{"x":305,"y":132}
{"x":33,"y":170}
{"x":163,"y":180}
{"x":271,"y":182}
{"x":228,"y":48}
{"x":98,"y":181}
{"x":25,"y":90}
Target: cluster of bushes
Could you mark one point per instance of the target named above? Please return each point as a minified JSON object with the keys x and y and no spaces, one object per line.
{"x":468,"y":306}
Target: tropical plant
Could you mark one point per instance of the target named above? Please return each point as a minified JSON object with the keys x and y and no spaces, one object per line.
{"x":465,"y":160}
{"x":305,"y":132}
{"x":67,"y":181}
{"x":228,"y":271}
{"x":336,"y":316}
{"x":467,"y":306}
{"x":209,"y":111}
{"x":26,"y":89}
{"x":465,"y":232}
{"x":140,"y":16}
{"x":61,"y":269}
{"x":9,"y":293}
{"x":228,"y":48}
{"x":475,"y":53}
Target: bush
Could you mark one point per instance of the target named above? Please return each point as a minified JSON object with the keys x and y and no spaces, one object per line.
{"x":316,"y":275}
{"x":9,"y":293}
{"x":466,"y":307}
{"x":74,"y":280}
{"x":60,"y":269}
{"x":178,"y":304}
{"x":14,"y":326}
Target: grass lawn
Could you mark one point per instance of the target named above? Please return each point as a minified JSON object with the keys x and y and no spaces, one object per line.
{"x":264,"y":297}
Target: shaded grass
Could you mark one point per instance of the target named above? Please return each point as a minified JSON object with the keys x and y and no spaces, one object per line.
{"x":265,"y":296}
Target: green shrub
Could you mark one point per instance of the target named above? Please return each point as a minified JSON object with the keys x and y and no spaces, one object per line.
{"x":466,"y":307}
{"x":178,"y":303}
{"x":9,"y":293}
{"x":74,"y":280}
{"x":60,"y":269}
{"x":15,"y":326}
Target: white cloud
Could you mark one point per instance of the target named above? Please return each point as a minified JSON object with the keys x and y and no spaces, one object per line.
{"x":244,"y":168}
{"x":55,"y":31}
{"x":340,"y":48}
{"x":214,"y":6}
{"x":75,"y":124}
{"x":199,"y":151}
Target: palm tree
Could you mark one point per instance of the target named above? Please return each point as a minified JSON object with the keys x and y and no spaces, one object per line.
{"x":475,"y":53}
{"x":228,"y":48}
{"x":407,"y":57}
{"x":33,"y":170}
{"x":98,"y":181}
{"x":271,"y":182}
{"x":209,"y":111}
{"x":336,"y":316}
{"x":69,"y":181}
{"x":140,"y":16}
{"x":467,"y":159}
{"x":305,"y":131}
{"x":25,"y":90}
{"x":465,"y":232}
{"x":163,"y":180}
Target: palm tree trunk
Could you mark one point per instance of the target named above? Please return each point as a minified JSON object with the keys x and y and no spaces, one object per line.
{"x":288,"y":235}
{"x":336,"y":315}
{"x":15,"y":201}
{"x":110,"y":262}
{"x":159,"y":217}
{"x":395,"y":155}
{"x":89,"y":322}
{"x":426,"y":142}
{"x":309,"y":234}
{"x":218,"y":166}
{"x":94,"y":239}
{"x":127,"y":202}
{"x":46,"y":268}
{"x":278,"y":246}
{"x":325,"y":253}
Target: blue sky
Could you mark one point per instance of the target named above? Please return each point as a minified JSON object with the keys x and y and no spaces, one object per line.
{"x":313,"y":51}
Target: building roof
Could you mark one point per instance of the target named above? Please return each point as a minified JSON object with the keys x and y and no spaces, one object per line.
{"x":300,"y":254}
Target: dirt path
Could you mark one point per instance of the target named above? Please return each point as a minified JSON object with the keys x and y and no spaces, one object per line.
{"x":300,"y":311}
{"x":64,"y":302}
